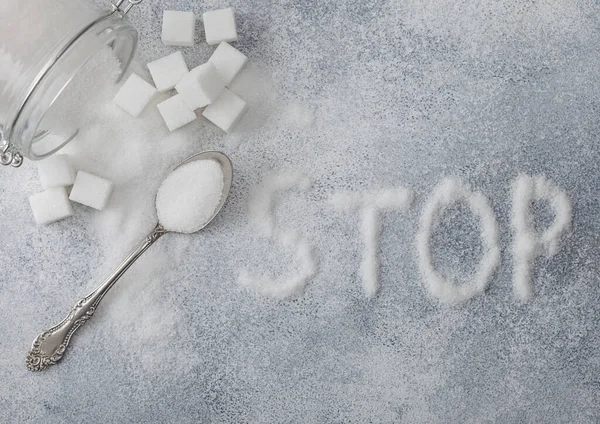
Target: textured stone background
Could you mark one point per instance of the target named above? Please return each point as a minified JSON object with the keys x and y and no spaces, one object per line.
{"x":357,"y":95}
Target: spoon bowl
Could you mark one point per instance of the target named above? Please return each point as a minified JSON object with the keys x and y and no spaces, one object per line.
{"x":227,"y":168}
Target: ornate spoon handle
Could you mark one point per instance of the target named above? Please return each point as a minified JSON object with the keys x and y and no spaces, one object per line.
{"x":49,"y":347}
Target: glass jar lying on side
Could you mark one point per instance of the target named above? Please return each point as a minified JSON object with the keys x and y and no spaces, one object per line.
{"x":43,"y":45}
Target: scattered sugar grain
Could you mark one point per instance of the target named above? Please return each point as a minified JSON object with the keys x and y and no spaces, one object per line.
{"x":372,"y":203}
{"x":262,"y":198}
{"x":448,"y":192}
{"x":528,"y":244}
{"x":261,"y":205}
{"x":414,"y":354}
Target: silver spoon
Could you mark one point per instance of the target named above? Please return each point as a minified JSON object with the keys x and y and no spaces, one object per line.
{"x":49,"y":347}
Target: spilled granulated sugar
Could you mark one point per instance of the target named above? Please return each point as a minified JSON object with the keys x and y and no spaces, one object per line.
{"x":359,"y":96}
{"x":528,"y":243}
{"x":445,"y":194}
{"x":371,"y":205}
{"x":261,"y":205}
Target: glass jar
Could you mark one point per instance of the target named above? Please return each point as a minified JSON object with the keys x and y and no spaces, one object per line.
{"x":43,"y":44}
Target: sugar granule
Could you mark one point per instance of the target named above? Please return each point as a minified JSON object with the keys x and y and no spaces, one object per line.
{"x":189,"y":196}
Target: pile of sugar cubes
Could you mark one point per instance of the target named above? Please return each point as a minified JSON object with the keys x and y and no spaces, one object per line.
{"x":57,"y":175}
{"x":204,"y":87}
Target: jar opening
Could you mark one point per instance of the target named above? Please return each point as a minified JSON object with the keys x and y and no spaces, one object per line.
{"x":33,"y":135}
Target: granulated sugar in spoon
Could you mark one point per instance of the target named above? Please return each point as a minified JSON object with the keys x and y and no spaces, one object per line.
{"x":186,"y":202}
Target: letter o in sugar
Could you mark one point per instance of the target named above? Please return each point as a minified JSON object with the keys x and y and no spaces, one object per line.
{"x":445,"y":194}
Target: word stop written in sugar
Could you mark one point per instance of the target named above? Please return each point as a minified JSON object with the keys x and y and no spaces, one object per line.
{"x":527,"y":245}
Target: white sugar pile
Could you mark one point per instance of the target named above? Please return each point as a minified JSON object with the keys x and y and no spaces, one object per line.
{"x":189,"y":197}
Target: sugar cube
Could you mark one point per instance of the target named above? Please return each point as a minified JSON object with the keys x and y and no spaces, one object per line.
{"x":178,"y":28}
{"x":50,"y":206}
{"x":176,"y":112}
{"x":219,"y":25}
{"x":168,"y":71}
{"x":201,"y":86}
{"x":91,"y":190}
{"x":135,"y":95}
{"x":226,"y":111}
{"x":56,"y":171}
{"x":228,"y":61}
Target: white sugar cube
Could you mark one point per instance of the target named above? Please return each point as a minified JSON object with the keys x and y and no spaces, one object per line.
{"x":56,"y":171}
{"x":91,"y":190}
{"x":201,"y":86}
{"x":176,"y":112}
{"x":50,"y":206}
{"x":135,"y":95}
{"x":168,"y":71}
{"x":228,"y":61}
{"x":219,"y":25}
{"x":178,"y":28}
{"x":226,"y":111}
